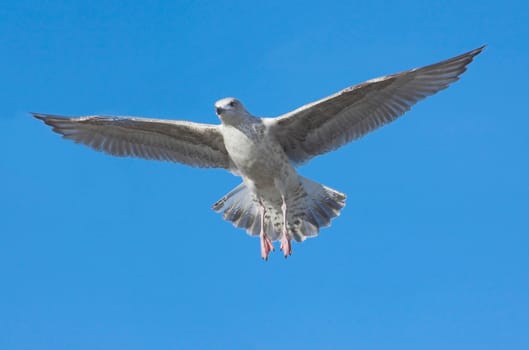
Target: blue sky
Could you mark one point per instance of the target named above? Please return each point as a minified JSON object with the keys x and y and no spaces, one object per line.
{"x":96,"y":252}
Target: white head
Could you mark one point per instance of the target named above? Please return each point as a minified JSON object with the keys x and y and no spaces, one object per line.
{"x":231,"y":111}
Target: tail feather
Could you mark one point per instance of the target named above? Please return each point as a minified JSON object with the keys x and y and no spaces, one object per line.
{"x":310,"y":207}
{"x":315,"y":209}
{"x":239,"y":206}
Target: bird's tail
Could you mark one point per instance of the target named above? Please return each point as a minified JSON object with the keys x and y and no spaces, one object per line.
{"x":240,"y":206}
{"x":309,"y":207}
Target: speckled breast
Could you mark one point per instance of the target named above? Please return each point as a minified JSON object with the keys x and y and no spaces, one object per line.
{"x":256,"y":156}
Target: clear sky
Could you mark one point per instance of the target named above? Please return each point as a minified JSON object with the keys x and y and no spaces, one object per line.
{"x":96,"y":252}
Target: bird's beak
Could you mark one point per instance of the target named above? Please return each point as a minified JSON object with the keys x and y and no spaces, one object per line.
{"x":219,"y":110}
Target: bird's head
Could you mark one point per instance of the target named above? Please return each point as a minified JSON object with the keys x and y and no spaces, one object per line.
{"x":231,"y":111}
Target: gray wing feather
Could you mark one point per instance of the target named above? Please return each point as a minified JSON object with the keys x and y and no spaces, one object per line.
{"x":327,"y":124}
{"x":194,"y":144}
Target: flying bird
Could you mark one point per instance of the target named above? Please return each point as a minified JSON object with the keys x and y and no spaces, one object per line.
{"x":273,"y":201}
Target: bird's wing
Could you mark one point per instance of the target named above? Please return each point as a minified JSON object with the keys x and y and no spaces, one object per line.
{"x":194,"y":144}
{"x":329,"y":123}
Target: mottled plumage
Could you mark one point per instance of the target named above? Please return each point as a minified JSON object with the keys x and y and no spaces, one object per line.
{"x":274,"y":201}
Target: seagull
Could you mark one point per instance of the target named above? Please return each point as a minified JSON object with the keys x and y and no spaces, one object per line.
{"x":273,"y":201}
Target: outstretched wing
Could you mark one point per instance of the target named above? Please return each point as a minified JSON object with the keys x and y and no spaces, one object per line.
{"x":329,"y":123}
{"x":194,"y":144}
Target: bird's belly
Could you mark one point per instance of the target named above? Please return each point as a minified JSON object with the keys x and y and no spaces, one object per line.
{"x":259,"y":161}
{"x":261,"y":164}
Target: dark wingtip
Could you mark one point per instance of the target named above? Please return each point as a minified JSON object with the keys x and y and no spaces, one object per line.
{"x":479,"y":49}
{"x":475,"y":52}
{"x":48,"y":119}
{"x":471,"y":54}
{"x":38,"y":115}
{"x":44,"y":117}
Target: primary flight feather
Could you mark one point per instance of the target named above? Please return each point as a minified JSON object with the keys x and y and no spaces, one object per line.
{"x":273,"y":202}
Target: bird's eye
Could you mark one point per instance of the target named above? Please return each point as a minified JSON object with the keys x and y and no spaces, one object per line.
{"x":232,"y":104}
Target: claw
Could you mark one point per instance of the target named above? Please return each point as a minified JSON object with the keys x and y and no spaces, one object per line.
{"x":286,"y":246}
{"x":266,"y":247}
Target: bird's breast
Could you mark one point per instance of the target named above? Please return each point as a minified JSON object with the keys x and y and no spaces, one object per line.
{"x":256,"y":156}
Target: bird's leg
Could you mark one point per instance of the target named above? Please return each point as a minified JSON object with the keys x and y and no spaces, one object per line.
{"x":286,"y":246}
{"x":266,"y":244}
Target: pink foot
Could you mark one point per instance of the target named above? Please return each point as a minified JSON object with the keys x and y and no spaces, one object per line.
{"x":266,"y":247}
{"x":286,"y":246}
